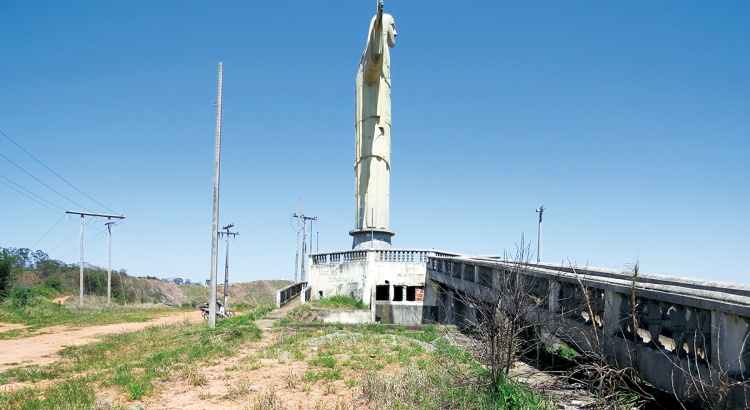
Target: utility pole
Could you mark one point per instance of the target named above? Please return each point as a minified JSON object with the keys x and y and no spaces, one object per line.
{"x":215,"y":227}
{"x":109,"y":261}
{"x":296,"y":256}
{"x":540,"y":210}
{"x":311,"y":235}
{"x":304,"y":240}
{"x":83,"y":215}
{"x":226,"y":264}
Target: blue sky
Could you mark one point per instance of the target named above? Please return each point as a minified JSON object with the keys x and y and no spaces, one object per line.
{"x":628,"y":121}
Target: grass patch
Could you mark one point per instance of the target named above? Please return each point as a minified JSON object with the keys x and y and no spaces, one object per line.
{"x":315,"y":375}
{"x":67,"y":395}
{"x":340,"y":302}
{"x":326,"y":361}
{"x":133,"y":362}
{"x":45,"y":313}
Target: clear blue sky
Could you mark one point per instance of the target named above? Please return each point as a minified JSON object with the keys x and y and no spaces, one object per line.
{"x":628,"y":121}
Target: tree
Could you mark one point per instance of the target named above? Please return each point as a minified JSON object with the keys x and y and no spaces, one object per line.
{"x":7,"y":262}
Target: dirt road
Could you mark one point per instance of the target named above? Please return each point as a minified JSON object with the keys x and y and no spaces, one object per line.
{"x":43,"y":349}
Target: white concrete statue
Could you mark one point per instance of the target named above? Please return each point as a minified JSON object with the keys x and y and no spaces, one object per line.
{"x":373,"y":130}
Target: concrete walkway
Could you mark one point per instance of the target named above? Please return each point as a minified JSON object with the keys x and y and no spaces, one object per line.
{"x":267,"y":322}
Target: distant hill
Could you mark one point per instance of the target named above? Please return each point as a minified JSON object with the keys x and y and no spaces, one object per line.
{"x":52,"y":279}
{"x":259,"y":292}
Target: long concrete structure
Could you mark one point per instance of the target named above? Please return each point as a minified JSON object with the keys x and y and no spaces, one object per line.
{"x":683,"y":336}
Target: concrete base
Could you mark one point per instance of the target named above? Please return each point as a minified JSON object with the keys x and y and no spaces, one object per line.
{"x":371,"y":239}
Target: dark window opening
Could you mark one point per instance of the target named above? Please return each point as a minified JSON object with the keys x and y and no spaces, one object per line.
{"x":398,"y":293}
{"x":382,"y":292}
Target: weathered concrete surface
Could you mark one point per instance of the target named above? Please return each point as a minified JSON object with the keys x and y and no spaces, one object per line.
{"x":343,"y":316}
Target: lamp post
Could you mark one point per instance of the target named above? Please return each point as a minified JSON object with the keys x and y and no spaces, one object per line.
{"x":540,"y":210}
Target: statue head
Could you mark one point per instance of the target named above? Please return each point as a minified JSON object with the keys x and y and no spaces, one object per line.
{"x":389,"y":26}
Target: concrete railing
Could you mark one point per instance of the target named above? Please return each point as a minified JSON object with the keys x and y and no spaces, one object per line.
{"x":378,"y":255}
{"x":284,"y":295}
{"x":680,"y":332}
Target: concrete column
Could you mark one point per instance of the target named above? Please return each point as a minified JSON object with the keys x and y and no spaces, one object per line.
{"x":678,"y":317}
{"x":612,"y":302}
{"x":728,"y":342}
{"x":554,"y":295}
{"x":496,"y":278}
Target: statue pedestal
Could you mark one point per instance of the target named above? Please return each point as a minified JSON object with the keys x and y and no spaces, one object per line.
{"x":371,"y":239}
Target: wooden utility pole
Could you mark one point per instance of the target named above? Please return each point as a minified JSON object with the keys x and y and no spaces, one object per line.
{"x":215,"y":230}
{"x":83,"y":215}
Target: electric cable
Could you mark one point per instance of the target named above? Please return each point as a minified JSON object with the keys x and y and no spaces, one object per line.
{"x":40,"y":181}
{"x":44,"y":205}
{"x":55,"y":173}
{"x":50,"y":230}
{"x":31,"y":193}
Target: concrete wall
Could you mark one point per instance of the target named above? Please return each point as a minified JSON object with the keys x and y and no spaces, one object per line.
{"x":358,"y":274}
{"x":344,"y":316}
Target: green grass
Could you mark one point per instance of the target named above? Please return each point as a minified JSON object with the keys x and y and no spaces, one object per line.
{"x":45,"y":313}
{"x":326,"y":361}
{"x":340,"y":302}
{"x":424,"y":370}
{"x":132,"y":362}
{"x":328,"y":374}
{"x":71,"y":394}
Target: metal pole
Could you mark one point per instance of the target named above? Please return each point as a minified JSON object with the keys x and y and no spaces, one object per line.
{"x":317,"y":242}
{"x":215,"y":230}
{"x":540,"y":210}
{"x":80,"y":287}
{"x":311,"y":234}
{"x":109,"y":262}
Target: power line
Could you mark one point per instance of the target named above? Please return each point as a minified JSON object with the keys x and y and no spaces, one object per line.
{"x":31,"y":193}
{"x":55,"y":173}
{"x":44,"y":205}
{"x":40,"y":181}
{"x":50,"y":230}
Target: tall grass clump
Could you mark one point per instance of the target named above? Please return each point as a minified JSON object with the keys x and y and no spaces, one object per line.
{"x":449,"y":379}
{"x":340,"y":301}
{"x":71,"y":394}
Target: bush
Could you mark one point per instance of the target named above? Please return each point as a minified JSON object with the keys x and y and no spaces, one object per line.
{"x":6,"y":269}
{"x":22,"y":297}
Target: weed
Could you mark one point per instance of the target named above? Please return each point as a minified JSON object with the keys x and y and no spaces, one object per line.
{"x":268,"y":400}
{"x":351,"y":382}
{"x":312,"y":375}
{"x":325,"y":361}
{"x":292,"y":380}
{"x":238,"y":389}
{"x":329,"y":388}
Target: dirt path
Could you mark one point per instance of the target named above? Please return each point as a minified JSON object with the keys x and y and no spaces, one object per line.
{"x":42,"y":349}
